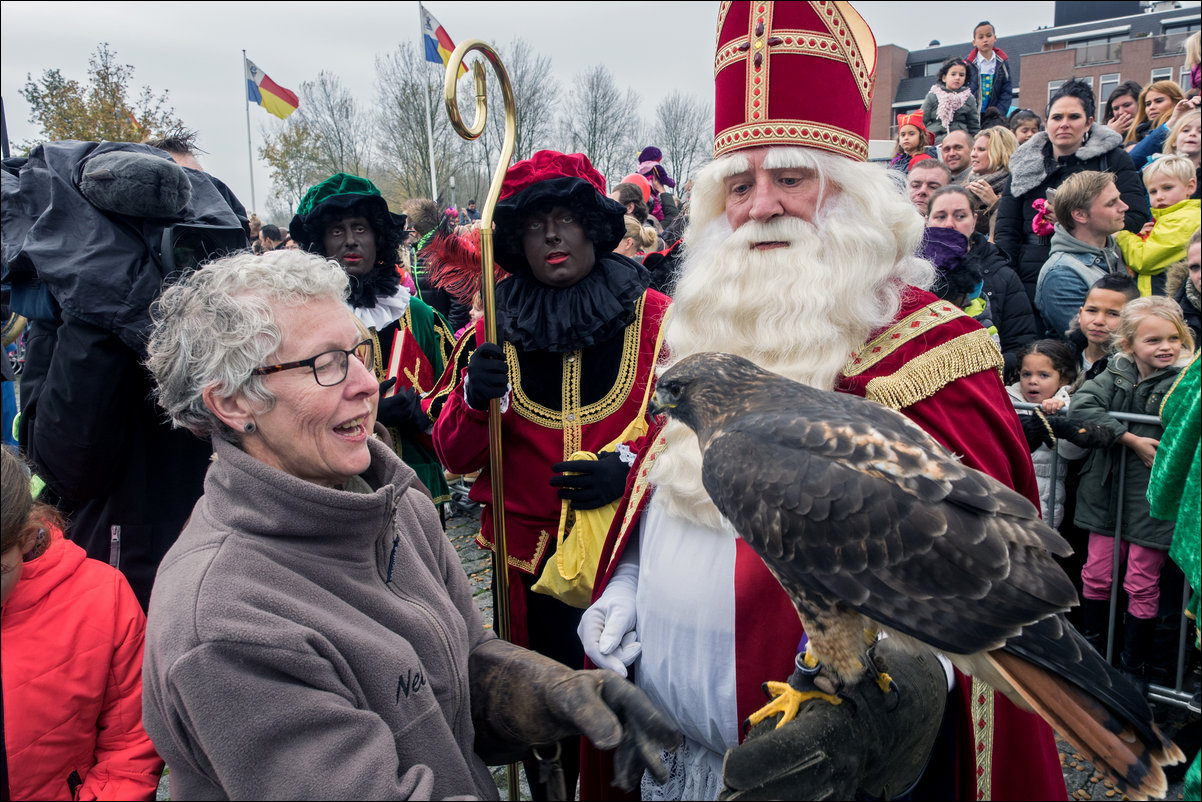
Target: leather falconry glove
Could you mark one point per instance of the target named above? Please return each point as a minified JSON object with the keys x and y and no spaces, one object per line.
{"x":1082,"y":433}
{"x":1040,"y":429}
{"x":403,"y":411}
{"x":521,"y":699}
{"x":590,"y":484}
{"x":487,"y":376}
{"x":873,"y":745}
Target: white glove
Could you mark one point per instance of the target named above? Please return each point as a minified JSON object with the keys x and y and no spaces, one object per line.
{"x":607,"y":627}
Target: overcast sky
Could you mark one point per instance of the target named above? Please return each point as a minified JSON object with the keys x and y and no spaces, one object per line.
{"x":194,"y":50}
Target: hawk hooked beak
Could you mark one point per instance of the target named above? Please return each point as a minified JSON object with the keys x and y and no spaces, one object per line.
{"x":664,"y":399}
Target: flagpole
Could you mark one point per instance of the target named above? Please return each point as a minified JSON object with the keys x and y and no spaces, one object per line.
{"x":421,"y":18}
{"x":250,"y":157}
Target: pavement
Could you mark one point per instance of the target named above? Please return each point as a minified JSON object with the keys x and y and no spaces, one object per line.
{"x":1082,"y":781}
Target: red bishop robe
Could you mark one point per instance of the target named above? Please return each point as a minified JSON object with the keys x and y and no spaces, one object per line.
{"x":940,"y":368}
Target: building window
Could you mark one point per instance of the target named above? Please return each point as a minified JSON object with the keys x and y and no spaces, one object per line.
{"x":923,"y":69}
{"x":1107,"y":84}
{"x":1052,"y":87}
{"x":1162,"y":74}
{"x":1183,"y":82}
{"x":1099,"y":50}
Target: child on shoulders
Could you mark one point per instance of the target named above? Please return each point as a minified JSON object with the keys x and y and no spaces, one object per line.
{"x":950,"y":105}
{"x":1170,"y":181}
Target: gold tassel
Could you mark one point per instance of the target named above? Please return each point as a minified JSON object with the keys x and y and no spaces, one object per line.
{"x":930,"y":372}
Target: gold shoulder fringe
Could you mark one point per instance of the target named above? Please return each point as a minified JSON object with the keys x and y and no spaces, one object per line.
{"x":929,"y":373}
{"x":915,"y":324}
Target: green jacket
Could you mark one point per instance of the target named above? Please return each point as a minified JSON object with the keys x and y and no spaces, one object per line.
{"x":1118,"y":388}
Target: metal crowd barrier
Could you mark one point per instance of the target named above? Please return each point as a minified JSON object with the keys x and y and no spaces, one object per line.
{"x":1177,"y":695}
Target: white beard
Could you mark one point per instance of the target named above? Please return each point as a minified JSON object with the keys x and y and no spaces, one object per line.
{"x":799,"y":311}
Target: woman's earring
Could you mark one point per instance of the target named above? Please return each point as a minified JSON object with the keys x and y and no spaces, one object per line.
{"x":249,"y":427}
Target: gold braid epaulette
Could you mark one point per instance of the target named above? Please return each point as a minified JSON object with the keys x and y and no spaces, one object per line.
{"x":929,"y":372}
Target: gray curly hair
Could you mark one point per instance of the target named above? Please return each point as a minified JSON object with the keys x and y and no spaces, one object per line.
{"x":217,"y":325}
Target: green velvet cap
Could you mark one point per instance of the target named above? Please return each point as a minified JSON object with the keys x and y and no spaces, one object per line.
{"x":337,"y":186}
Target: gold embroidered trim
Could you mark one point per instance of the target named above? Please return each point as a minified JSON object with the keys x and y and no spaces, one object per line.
{"x":570,"y":404}
{"x":794,"y":42}
{"x":523,"y":565}
{"x":723,"y":10}
{"x":637,"y":491}
{"x":927,"y":374}
{"x":458,"y":359}
{"x":378,"y":356}
{"x":553,"y":418}
{"x":916,"y":323}
{"x":982,"y":737}
{"x":791,"y":132}
{"x":832,"y":17}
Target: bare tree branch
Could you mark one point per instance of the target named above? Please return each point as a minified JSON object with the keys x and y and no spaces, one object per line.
{"x":343,"y":133}
{"x":601,"y":121}
{"x":683,"y":131}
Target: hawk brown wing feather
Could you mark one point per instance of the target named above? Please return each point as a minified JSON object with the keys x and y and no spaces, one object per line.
{"x":895,"y":557}
{"x":854,"y":508}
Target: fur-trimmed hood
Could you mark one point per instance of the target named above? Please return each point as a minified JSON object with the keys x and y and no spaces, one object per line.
{"x":1029,"y":165}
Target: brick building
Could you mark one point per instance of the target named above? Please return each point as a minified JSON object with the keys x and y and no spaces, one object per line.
{"x":1144,"y":44}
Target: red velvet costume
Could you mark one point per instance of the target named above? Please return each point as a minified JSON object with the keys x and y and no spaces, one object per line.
{"x":937,"y":366}
{"x":535,"y":437}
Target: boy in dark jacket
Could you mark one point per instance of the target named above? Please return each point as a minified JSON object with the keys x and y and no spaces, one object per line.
{"x":989,"y":71}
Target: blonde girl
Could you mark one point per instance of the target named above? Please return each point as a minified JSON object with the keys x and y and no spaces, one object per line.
{"x":1152,"y":342}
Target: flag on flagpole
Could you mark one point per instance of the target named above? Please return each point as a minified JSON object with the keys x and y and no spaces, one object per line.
{"x":439,"y":46}
{"x":274,"y":98}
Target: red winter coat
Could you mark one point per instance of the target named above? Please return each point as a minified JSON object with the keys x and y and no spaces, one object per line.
{"x":72,"y":642}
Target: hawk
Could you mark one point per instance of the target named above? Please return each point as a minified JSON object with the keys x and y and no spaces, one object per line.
{"x":870,"y":524}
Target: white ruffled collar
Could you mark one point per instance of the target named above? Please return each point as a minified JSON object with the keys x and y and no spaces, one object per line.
{"x":385,"y":311}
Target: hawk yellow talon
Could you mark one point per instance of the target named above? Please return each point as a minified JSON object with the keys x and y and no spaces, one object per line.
{"x":786,"y":700}
{"x":884,"y":682}
{"x":808,"y":658}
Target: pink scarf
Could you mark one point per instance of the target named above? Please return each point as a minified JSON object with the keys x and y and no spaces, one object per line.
{"x":949,"y":103}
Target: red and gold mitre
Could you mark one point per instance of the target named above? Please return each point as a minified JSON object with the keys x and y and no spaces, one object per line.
{"x":793,"y":73}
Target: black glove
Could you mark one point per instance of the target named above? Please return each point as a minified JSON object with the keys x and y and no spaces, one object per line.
{"x":1081,"y":433}
{"x":521,"y":699}
{"x":402,"y":411}
{"x":487,"y":376}
{"x":1038,"y":430}
{"x":874,"y":745}
{"x":590,"y":483}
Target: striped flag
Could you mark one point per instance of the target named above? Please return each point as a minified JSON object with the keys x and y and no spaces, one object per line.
{"x":439,"y":46}
{"x":274,"y":98}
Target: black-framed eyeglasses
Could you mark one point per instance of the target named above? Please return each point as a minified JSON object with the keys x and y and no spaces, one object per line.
{"x":329,"y":368}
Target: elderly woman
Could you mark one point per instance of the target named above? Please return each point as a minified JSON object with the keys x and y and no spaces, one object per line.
{"x":311,"y":632}
{"x":345,"y":218}
{"x":1072,"y":143}
{"x":581,"y":331}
